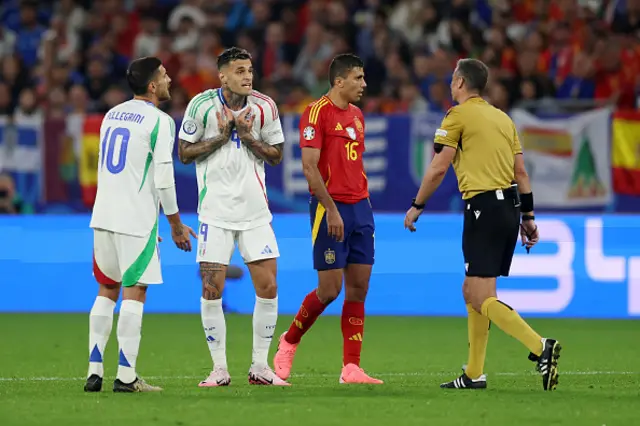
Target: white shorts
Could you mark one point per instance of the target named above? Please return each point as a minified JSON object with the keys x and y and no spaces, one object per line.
{"x":216,"y":245}
{"x":119,"y":258}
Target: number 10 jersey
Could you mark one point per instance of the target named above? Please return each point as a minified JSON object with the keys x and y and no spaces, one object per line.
{"x":135,"y":136}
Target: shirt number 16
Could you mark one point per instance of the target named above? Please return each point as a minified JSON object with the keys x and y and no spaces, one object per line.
{"x":352,"y":154}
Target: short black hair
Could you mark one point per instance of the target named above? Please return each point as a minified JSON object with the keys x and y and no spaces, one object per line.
{"x":141,"y":72}
{"x":232,"y":54}
{"x":342,"y":65}
{"x":475,"y":74}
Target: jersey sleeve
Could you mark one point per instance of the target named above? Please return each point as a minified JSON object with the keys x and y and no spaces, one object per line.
{"x":311,"y":131}
{"x":271,"y":131}
{"x":165,"y":134}
{"x":192,"y":127}
{"x":450,"y":131}
{"x":517,"y":146}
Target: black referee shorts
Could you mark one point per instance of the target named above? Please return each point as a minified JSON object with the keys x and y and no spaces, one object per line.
{"x":490,"y":234}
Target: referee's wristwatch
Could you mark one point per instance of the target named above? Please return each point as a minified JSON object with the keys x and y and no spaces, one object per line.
{"x":526,"y":217}
{"x":417,"y":206}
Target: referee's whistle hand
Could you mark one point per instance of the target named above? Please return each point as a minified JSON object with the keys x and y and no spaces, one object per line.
{"x":529,"y":233}
{"x":335,"y":225}
{"x":411,"y":218}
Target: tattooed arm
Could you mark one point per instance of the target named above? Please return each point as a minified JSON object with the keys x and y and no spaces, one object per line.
{"x":188,"y":151}
{"x":272,"y":154}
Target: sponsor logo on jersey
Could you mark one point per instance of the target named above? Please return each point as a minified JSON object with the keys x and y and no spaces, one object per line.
{"x":189,"y":127}
{"x":339,"y":127}
{"x":309,"y":133}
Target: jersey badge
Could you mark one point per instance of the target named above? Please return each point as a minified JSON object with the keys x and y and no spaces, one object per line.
{"x":189,"y":127}
{"x":358,"y":124}
{"x":339,"y":127}
{"x":329,"y":257}
{"x":351,"y":133}
{"x":309,"y":133}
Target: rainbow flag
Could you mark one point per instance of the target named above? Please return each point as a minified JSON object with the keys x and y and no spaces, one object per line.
{"x":88,"y":162}
{"x":625,"y":155}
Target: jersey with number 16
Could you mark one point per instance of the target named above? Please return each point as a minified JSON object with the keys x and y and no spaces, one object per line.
{"x":134,"y":137}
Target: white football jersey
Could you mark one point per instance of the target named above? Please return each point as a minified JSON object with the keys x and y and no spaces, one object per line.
{"x":231,"y":182}
{"x":134,"y":136}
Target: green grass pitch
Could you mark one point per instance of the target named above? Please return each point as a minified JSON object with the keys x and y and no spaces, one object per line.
{"x":43,"y":360}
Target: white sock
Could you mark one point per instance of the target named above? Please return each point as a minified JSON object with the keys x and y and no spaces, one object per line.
{"x":265,"y":316}
{"x":100,"y":324}
{"x":215,"y":330}
{"x":129,"y":335}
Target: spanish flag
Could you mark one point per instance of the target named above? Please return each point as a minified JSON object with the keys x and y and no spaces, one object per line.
{"x":88,"y":163}
{"x":625,"y":156}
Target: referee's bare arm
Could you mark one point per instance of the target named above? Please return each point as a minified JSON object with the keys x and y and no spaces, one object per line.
{"x":528,"y":229}
{"x":520,"y":172}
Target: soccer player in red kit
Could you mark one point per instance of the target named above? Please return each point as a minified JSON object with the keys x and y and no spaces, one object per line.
{"x":342,"y":225}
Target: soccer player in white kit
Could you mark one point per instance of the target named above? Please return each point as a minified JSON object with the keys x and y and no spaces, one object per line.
{"x":230,"y":133}
{"x":135,"y":174}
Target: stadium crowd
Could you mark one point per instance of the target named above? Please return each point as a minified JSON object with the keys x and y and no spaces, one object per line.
{"x":70,"y":55}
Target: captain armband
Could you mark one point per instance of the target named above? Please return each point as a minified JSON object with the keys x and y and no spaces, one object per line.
{"x":527,"y":202}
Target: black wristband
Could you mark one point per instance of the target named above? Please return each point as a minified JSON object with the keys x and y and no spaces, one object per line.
{"x":526,"y":217}
{"x":527,"y":202}
{"x":417,"y":206}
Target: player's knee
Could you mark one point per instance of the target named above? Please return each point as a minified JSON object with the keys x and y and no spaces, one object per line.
{"x":356,"y":293}
{"x":329,"y":285}
{"x":327,"y":295}
{"x":267,"y":289}
{"x":109,"y":291}
{"x":136,"y":292}
{"x":467,"y":294}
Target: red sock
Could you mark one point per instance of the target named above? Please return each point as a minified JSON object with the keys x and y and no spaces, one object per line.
{"x":352,"y":331}
{"x":310,"y":310}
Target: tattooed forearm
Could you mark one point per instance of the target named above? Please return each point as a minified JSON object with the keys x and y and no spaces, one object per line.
{"x":189,"y":152}
{"x":272,"y":154}
{"x":213,"y":275}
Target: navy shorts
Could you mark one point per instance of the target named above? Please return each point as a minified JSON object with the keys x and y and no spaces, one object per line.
{"x":358,"y":245}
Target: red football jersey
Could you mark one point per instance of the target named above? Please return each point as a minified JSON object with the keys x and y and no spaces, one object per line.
{"x":339,"y":134}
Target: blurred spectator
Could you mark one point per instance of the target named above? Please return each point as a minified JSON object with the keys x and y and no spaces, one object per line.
{"x":6,"y":107}
{"x":147,"y":42}
{"x":9,"y":199}
{"x":411,"y":100}
{"x":192,"y":78}
{"x":29,"y":33}
{"x":7,"y":41}
{"x":72,"y":55}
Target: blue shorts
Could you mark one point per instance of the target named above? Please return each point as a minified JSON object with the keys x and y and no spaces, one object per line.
{"x":358,"y":245}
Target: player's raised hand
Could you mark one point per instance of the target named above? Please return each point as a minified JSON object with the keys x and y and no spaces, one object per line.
{"x":335,"y":225}
{"x":244,"y":124}
{"x":225,"y":121}
{"x":180,"y":235}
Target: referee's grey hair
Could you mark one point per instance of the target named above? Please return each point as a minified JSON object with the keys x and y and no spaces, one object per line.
{"x":474,"y":73}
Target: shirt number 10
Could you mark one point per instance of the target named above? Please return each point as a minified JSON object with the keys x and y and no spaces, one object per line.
{"x":352,"y":154}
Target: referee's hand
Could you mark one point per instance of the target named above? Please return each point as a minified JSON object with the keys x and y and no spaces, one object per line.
{"x":529,"y":233}
{"x":411,"y":218}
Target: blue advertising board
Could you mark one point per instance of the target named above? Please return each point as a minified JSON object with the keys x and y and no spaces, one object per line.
{"x":585,"y":267}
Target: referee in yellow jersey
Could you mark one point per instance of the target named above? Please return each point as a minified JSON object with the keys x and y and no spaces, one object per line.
{"x":482,"y":142}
